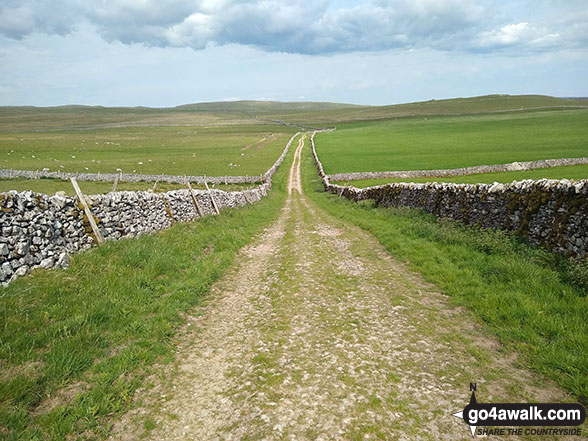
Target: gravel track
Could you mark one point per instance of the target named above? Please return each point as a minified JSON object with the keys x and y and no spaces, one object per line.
{"x":317,"y":333}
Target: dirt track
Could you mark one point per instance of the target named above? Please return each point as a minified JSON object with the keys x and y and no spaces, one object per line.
{"x":318,"y":334}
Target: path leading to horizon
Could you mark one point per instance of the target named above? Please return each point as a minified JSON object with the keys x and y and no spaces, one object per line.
{"x":317,"y":333}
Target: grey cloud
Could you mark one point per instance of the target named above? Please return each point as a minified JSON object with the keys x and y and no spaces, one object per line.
{"x":296,"y":26}
{"x":20,"y":18}
{"x":575,"y":29}
{"x":131,"y":21}
{"x":300,"y":28}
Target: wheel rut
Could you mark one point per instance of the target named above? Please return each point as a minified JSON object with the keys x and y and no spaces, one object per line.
{"x":317,"y":333}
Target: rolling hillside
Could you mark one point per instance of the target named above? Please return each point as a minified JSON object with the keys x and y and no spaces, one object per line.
{"x":232,"y":112}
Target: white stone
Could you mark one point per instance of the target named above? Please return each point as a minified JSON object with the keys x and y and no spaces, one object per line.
{"x":47,"y":263}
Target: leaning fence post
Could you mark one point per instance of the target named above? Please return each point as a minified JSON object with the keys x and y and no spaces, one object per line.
{"x":196,"y":204}
{"x":211,"y":198}
{"x":87,"y":210}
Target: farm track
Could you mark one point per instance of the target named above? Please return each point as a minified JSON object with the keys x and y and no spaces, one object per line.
{"x":318,"y":334}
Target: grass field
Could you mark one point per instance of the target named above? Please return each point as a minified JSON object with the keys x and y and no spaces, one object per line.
{"x":452,"y":142}
{"x":216,"y":151}
{"x":535,"y":302}
{"x":66,"y":333}
{"x":237,"y":138}
{"x":15,"y":119}
{"x":572,"y":172}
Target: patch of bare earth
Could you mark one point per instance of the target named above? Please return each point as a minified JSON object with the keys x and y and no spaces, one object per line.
{"x":260,"y":143}
{"x":318,"y":334}
{"x":63,"y":396}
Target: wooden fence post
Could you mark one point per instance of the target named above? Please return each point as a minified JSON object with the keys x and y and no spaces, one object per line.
{"x":211,"y":198}
{"x":87,"y":210}
{"x":194,"y":199}
{"x":115,"y":183}
{"x":168,"y":209}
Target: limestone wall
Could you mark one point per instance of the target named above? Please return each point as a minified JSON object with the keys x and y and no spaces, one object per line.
{"x":410,"y":174}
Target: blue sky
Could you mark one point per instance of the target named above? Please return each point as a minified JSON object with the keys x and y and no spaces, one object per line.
{"x":170,"y":52}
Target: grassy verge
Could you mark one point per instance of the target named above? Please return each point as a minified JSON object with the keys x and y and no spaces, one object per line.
{"x":535,"y":302}
{"x":75,"y":344}
{"x":567,"y":172}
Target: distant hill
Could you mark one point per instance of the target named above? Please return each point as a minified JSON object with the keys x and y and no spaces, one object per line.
{"x":266,"y":106}
{"x":454,"y":106}
{"x":231,"y":112}
{"x":487,"y":103}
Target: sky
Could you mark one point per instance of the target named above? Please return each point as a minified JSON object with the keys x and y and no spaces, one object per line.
{"x":163,"y":53}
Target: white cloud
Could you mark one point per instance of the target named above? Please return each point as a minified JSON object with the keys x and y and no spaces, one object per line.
{"x":523,"y":34}
{"x":506,"y":35}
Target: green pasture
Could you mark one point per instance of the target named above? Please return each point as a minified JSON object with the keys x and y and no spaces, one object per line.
{"x":213,"y":151}
{"x":572,"y":172}
{"x":452,"y":142}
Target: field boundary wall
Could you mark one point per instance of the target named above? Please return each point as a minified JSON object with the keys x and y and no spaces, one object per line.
{"x":410,"y":174}
{"x":39,"y":230}
{"x":551,"y":213}
{"x":128,"y":177}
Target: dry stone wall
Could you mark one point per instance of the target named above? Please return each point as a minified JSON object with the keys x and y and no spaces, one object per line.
{"x":128,"y":177}
{"x":410,"y":174}
{"x":39,"y":230}
{"x":552,"y":213}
